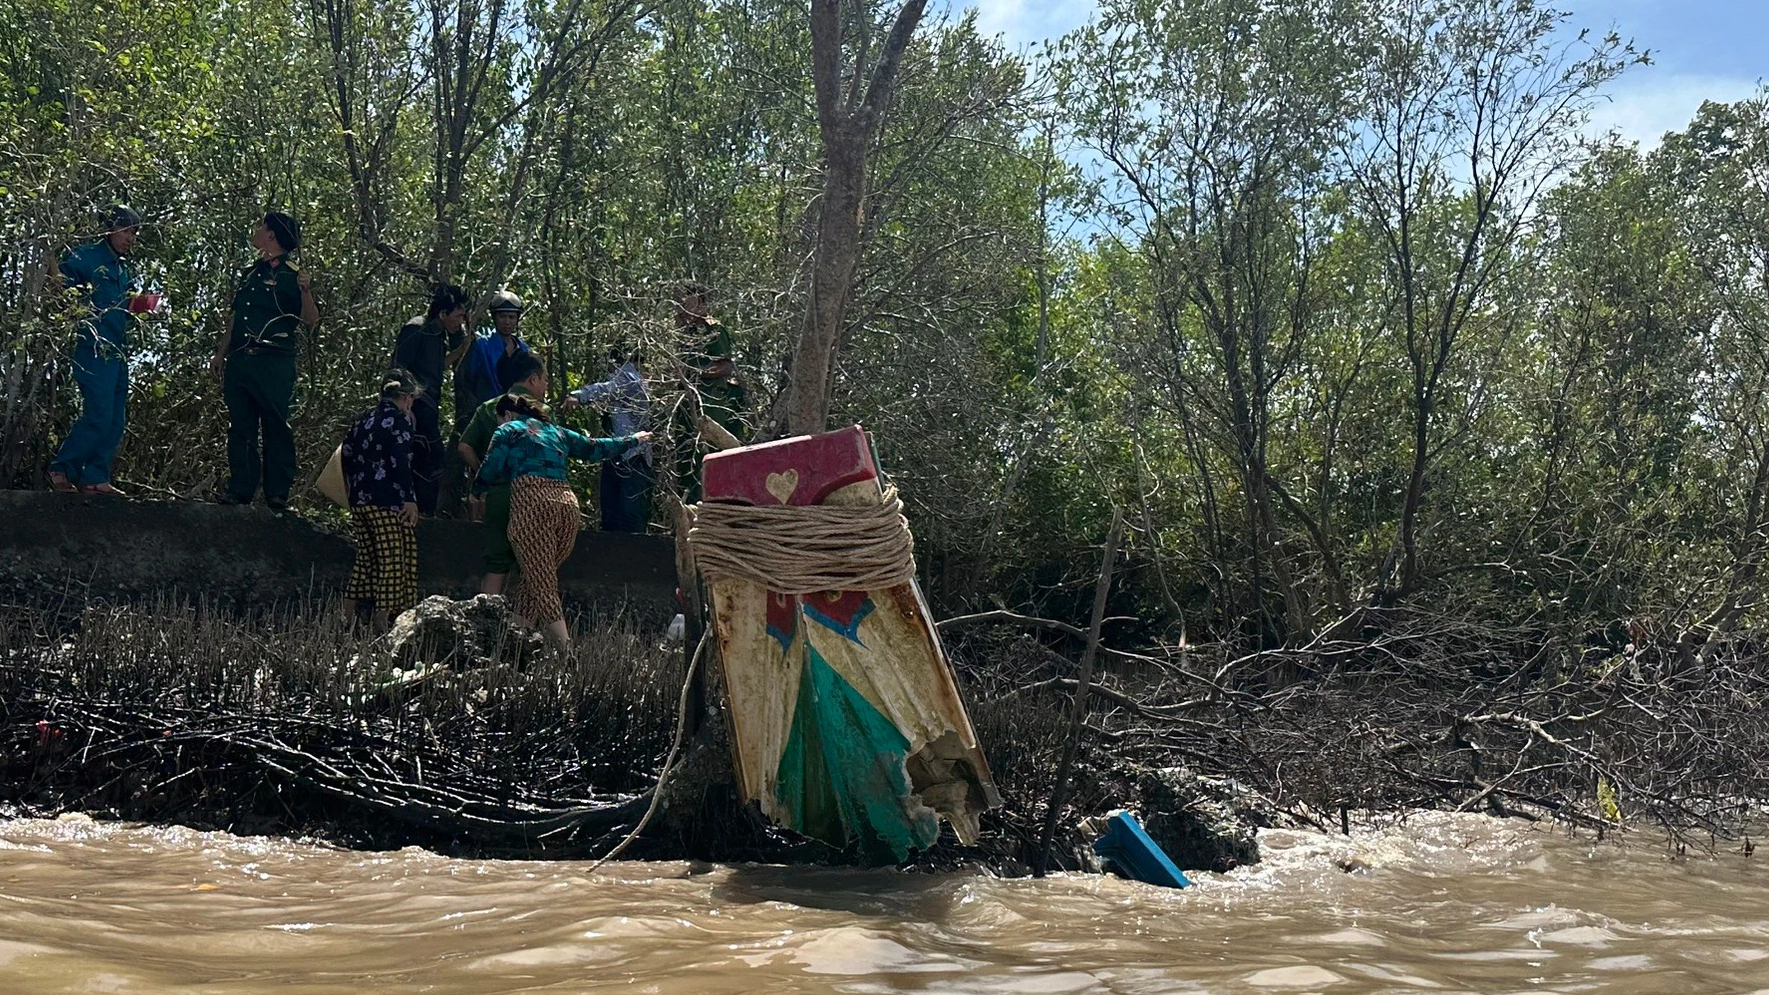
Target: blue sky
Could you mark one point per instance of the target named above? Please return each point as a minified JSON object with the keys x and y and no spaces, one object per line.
{"x":1701,"y":50}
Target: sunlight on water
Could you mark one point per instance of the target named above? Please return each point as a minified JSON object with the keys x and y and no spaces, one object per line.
{"x":1437,"y":903}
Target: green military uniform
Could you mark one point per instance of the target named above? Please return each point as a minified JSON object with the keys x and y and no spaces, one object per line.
{"x":259,"y":385}
{"x":706,"y":345}
{"x":500,"y":557}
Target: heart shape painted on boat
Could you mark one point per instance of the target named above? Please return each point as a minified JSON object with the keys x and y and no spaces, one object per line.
{"x":782,"y":485}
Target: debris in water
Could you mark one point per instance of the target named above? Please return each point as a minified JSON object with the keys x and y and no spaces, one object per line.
{"x":1132,"y":852}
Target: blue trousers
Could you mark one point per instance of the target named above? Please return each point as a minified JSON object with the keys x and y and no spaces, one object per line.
{"x":89,"y":450}
{"x":626,"y":495}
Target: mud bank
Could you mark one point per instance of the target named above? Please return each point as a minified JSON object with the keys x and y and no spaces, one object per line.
{"x":71,"y":548}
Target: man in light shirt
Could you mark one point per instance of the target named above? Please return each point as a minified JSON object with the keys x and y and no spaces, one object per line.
{"x":626,"y":480}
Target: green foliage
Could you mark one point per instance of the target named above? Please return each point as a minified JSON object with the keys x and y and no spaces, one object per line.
{"x":1398,"y":334}
{"x":1329,"y":296}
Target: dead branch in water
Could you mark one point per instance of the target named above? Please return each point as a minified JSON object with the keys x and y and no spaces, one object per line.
{"x":1078,"y":709}
{"x":1424,"y":711}
{"x":279,"y":724}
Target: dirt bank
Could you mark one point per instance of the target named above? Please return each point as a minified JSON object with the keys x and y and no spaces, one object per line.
{"x":67,"y":549}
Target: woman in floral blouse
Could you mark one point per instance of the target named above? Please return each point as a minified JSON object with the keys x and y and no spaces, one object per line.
{"x":531,"y":455}
{"x":377,"y":463}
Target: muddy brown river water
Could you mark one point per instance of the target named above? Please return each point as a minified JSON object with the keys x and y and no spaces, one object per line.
{"x":1446,"y":904}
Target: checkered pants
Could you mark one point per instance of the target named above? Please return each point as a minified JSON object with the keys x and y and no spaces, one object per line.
{"x":543,"y":530}
{"x":386,"y":567}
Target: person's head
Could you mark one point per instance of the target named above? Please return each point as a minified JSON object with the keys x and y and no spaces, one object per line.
{"x":448,"y":307}
{"x":690,"y":303}
{"x":512,"y":408}
{"x":400,"y":387}
{"x":506,"y":312}
{"x":121,"y":224}
{"x":276,"y":235}
{"x":624,"y":352}
{"x":528,"y":372}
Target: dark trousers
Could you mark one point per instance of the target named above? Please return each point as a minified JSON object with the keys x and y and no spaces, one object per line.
{"x":626,"y":495}
{"x":456,"y":482}
{"x":89,"y":450}
{"x":426,"y":454}
{"x":500,"y":556}
{"x":258,"y":389}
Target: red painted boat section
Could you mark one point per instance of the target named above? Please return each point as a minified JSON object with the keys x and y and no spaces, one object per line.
{"x":815,"y":465}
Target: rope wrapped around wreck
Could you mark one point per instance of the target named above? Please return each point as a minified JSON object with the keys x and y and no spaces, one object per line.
{"x":803,"y":549}
{"x":792,"y":550}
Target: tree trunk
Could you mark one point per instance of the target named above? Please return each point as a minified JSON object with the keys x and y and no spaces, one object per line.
{"x":847,"y":118}
{"x":832,"y":276}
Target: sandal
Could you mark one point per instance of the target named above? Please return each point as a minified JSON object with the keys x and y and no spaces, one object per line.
{"x":59,"y":482}
{"x":104,"y":488}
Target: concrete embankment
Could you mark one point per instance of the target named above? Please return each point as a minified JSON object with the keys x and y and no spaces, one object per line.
{"x":74,"y":547}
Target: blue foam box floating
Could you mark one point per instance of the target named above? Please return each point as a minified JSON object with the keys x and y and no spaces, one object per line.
{"x":1128,"y":846}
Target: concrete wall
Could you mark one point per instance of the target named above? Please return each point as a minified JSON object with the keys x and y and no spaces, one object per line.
{"x":110,"y":548}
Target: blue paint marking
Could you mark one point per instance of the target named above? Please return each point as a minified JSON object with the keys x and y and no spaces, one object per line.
{"x":851,"y":629}
{"x":783,"y":638}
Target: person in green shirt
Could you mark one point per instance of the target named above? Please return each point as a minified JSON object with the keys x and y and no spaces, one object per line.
{"x":529,"y":376}
{"x":255,"y":357}
{"x":706,"y":348}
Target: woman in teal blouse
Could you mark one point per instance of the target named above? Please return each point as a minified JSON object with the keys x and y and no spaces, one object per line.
{"x":531,"y":454}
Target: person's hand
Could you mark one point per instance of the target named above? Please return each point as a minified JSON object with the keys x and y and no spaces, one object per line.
{"x":218,"y":365}
{"x":641,"y":436}
{"x":475,"y":509}
{"x":571,"y":404}
{"x":409,"y":513}
{"x":304,"y":280}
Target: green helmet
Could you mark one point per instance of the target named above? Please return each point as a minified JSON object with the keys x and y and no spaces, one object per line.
{"x":503,"y":300}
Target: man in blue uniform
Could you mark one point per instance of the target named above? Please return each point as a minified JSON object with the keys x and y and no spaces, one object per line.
{"x":102,"y":272}
{"x":482,"y":366}
{"x":255,"y":357}
{"x":484,"y":360}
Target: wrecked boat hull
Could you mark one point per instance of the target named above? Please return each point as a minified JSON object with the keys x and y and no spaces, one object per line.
{"x":846,"y":721}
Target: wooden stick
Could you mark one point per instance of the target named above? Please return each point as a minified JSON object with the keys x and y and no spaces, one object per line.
{"x":716,"y":435}
{"x":1078,"y":711}
{"x":693,"y":613}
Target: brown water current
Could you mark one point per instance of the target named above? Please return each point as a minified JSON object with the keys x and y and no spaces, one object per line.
{"x":1440,"y":903}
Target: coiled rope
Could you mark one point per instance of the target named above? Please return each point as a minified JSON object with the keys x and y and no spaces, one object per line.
{"x":803,"y":549}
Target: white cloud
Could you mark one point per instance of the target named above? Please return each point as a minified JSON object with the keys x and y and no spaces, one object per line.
{"x":1642,"y":108}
